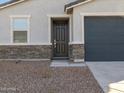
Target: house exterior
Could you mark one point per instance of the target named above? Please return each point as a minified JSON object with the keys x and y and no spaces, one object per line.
{"x":78,"y":30}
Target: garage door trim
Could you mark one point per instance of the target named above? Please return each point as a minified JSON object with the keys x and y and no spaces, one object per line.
{"x":83,"y":15}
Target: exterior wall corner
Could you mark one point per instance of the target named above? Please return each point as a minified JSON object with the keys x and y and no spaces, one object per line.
{"x":76,"y":52}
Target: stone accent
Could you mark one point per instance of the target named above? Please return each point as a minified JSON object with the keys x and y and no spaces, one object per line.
{"x":76,"y":51}
{"x":25,"y":52}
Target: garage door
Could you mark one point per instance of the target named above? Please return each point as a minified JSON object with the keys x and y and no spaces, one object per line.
{"x":104,"y":38}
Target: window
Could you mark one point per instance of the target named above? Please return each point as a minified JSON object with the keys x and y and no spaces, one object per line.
{"x":20,"y":29}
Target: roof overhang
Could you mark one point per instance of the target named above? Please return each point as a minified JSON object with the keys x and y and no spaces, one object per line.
{"x":69,"y":7}
{"x":10,"y":3}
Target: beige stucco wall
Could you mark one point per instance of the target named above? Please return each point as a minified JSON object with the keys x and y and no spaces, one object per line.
{"x":96,"y":7}
{"x":39,"y":11}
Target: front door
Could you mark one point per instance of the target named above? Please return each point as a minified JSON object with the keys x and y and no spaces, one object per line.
{"x":60,"y":39}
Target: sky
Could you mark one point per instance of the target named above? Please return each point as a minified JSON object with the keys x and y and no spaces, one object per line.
{"x":3,"y":1}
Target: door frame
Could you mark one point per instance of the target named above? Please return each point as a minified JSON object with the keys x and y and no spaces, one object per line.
{"x":95,"y":14}
{"x":50,"y":18}
{"x":60,"y":20}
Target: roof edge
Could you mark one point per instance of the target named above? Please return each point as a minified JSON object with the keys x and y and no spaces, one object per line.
{"x":67,"y":7}
{"x":13,"y":3}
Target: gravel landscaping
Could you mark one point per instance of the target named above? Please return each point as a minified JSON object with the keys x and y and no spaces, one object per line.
{"x":38,"y":77}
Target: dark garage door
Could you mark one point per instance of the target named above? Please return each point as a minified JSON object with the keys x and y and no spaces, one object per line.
{"x":104,"y":38}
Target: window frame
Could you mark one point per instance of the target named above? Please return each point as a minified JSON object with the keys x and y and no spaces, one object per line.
{"x":12,"y":18}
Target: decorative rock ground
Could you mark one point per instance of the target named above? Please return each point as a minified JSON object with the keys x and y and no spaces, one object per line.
{"x":38,"y":77}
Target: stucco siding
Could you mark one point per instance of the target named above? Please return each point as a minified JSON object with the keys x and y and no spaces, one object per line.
{"x":4,"y":29}
{"x":96,"y":6}
{"x":39,"y":11}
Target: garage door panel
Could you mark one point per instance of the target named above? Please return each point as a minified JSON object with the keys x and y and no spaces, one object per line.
{"x":93,"y":52}
{"x":94,"y":38}
{"x":118,"y":49}
{"x":105,"y":41}
{"x":104,"y":38}
{"x":97,"y":57}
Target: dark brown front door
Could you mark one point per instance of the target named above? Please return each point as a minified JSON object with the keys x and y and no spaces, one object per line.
{"x":60,"y":39}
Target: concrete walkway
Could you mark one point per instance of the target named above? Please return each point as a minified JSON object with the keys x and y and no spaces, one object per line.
{"x":110,"y":75}
{"x":65,"y":63}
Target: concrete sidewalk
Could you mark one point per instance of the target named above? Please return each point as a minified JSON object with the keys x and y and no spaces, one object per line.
{"x":110,"y":75}
{"x":65,"y":63}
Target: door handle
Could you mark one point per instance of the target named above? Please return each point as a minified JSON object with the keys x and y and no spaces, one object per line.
{"x":54,"y":43}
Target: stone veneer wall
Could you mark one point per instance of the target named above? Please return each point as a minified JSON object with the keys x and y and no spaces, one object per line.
{"x":25,"y":52}
{"x":76,"y":51}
